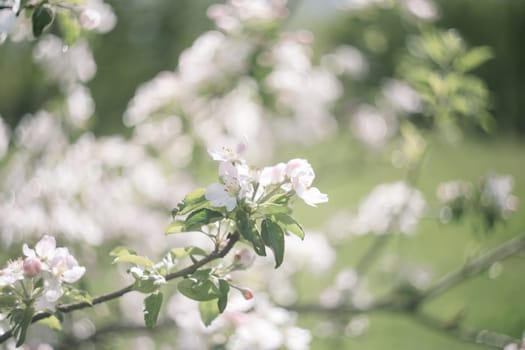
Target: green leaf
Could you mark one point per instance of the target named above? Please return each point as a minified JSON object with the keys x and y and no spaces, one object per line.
{"x":152,"y":306}
{"x":199,"y":289}
{"x":78,"y":295}
{"x":123,"y":254}
{"x":146,"y":281}
{"x":42,"y":18}
{"x":194,"y":200}
{"x":52,"y":322}
{"x":177,"y":226}
{"x":209,"y":311}
{"x":7,"y":301}
{"x":288,"y":224}
{"x":272,"y":208}
{"x":273,"y":237}
{"x":249,"y":232}
{"x":473,"y":58}
{"x":178,"y":253}
{"x":224,"y":288}
{"x":69,"y":28}
{"x":22,"y":320}
{"x":201,"y":217}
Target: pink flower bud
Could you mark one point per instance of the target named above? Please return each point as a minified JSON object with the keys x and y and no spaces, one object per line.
{"x":247,"y":293}
{"x":32,"y":266}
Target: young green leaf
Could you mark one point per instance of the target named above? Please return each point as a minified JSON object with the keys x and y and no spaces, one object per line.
{"x":52,"y":322}
{"x":201,"y":217}
{"x":208,"y":311}
{"x":272,"y":208}
{"x":224,"y":288}
{"x":177,"y":226}
{"x":42,"y":18}
{"x":152,"y":306}
{"x":123,"y":254}
{"x":193,"y":201}
{"x":200,"y":290}
{"x":69,"y":27}
{"x":7,"y":301}
{"x":288,"y":224}
{"x":22,"y":320}
{"x":273,"y":237}
{"x":473,"y":58}
{"x":249,"y":232}
{"x":178,"y":253}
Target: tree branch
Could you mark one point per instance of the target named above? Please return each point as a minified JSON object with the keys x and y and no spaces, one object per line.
{"x":481,"y":337}
{"x":474,"y":267}
{"x":411,"y":306}
{"x":216,"y":254}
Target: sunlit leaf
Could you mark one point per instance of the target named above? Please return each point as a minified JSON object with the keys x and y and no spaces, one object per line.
{"x":201,"y":217}
{"x":288,"y":224}
{"x":177,"y":226}
{"x":123,"y":254}
{"x":208,"y":311}
{"x":152,"y":306}
{"x":273,"y":237}
{"x":249,"y":232}
{"x":52,"y":322}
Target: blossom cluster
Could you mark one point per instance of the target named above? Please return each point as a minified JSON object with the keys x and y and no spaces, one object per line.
{"x":241,"y":183}
{"x":45,"y":265}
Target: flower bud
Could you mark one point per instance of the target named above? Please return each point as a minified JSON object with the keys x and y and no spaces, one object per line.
{"x":32,"y":266}
{"x":247,"y":293}
{"x":243,"y":259}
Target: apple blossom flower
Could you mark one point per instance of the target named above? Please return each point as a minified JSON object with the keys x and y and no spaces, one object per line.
{"x":12,"y":273}
{"x":273,"y":175}
{"x":227,"y":154}
{"x":301,"y":176}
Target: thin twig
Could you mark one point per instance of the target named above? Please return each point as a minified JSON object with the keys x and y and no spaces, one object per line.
{"x":216,"y":254}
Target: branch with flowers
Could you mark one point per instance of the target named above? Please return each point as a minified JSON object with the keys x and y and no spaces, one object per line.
{"x":247,"y":204}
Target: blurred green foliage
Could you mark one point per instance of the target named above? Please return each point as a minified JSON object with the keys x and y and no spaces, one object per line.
{"x":381,"y":34}
{"x":149,"y":36}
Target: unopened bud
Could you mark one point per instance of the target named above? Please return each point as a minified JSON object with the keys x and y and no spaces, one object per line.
{"x":32,"y":266}
{"x":247,"y":293}
{"x":244,"y":258}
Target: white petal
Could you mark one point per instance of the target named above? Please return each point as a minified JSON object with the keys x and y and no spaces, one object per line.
{"x":312,"y":196}
{"x":74,"y":274}
{"x":46,"y":247}
{"x":28,"y":251}
{"x":218,"y":195}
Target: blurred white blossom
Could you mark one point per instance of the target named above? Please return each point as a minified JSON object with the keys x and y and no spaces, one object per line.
{"x":497,"y":193}
{"x":389,"y":208}
{"x":245,"y":324}
{"x":65,"y":64}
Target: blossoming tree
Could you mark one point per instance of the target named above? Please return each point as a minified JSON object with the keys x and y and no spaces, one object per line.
{"x":223,"y":273}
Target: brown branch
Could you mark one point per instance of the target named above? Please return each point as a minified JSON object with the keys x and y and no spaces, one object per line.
{"x":482,"y":337}
{"x":474,"y":267}
{"x":216,"y":254}
{"x":411,"y":306}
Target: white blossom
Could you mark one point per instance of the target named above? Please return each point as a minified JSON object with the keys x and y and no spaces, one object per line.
{"x":394,"y":207}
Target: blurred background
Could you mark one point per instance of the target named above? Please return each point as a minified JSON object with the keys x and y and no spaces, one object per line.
{"x":370,"y":63}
